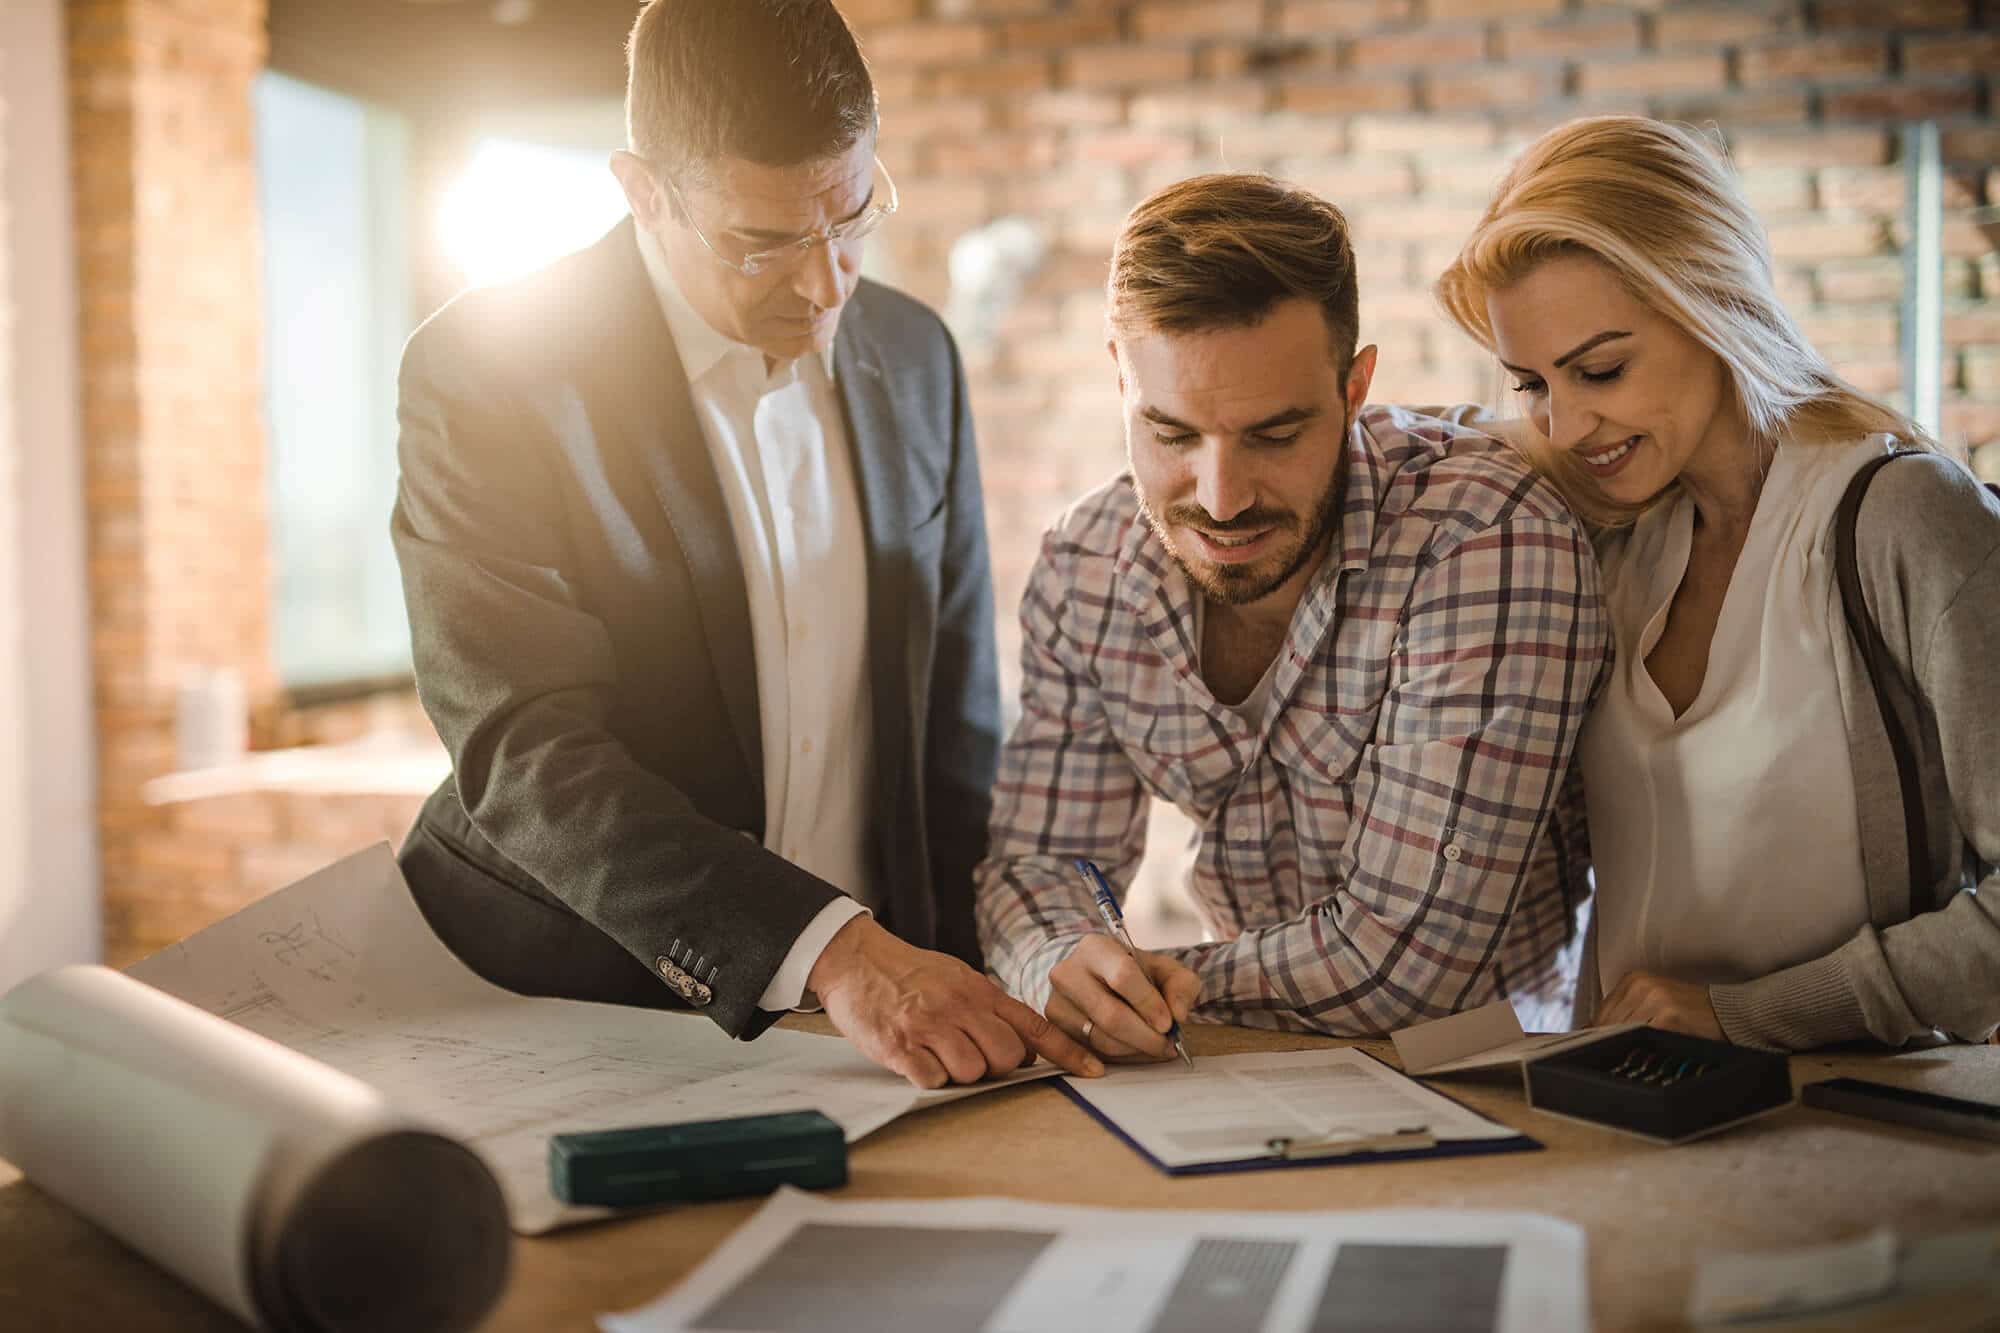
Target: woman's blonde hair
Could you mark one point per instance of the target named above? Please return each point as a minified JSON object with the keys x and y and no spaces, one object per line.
{"x":1650,"y":201}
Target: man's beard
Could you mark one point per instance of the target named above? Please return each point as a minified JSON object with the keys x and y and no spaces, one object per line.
{"x":1239,"y":585}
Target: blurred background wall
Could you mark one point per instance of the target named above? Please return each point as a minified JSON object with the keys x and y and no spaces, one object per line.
{"x":266,"y":199}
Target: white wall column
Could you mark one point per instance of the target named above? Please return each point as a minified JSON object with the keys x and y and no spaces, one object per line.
{"x":49,"y":900}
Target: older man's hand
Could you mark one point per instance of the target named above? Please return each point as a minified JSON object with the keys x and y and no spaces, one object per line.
{"x":928,"y":1016}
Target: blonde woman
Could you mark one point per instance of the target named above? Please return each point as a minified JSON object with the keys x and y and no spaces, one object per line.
{"x":1745,"y":818}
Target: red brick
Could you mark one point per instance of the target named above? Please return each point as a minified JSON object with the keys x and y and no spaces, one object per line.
{"x":928,"y":43}
{"x":1901,"y":101}
{"x":1123,"y":66}
{"x":1811,"y":148}
{"x":1826,"y":238}
{"x":1961,"y":53}
{"x":1344,"y":181}
{"x":1881,"y":375}
{"x":1831,"y":14}
{"x":1425,"y":47}
{"x":1721,"y":24}
{"x":1776,"y":189}
{"x":1208,"y":104}
{"x":1053,"y":191}
{"x":1131,"y":147}
{"x":1508,"y":86}
{"x":1815,"y":58}
{"x":1969,"y":421}
{"x":1007,"y":73}
{"x":1592,"y":35}
{"x":1885,"y":189}
{"x":1979,"y":370}
{"x":1058,"y":31}
{"x":1970,"y":144}
{"x":1068,"y":108}
{"x":1347,"y":95}
{"x":1421,"y":134}
{"x":240,"y":817}
{"x":1651,"y":74}
{"x":923,"y":116}
{"x":1428,"y":221}
{"x":863,"y":12}
{"x":1491,"y":9}
{"x":1199,"y":18}
{"x":1325,"y":18}
{"x":1283,"y":134}
{"x":1965,"y":238}
{"x":947,"y":202}
{"x":1878,"y":279}
{"x":1859,"y":326}
{"x":1978,"y":322}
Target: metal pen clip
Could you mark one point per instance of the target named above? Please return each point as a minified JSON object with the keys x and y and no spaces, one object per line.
{"x":1413,"y":1137}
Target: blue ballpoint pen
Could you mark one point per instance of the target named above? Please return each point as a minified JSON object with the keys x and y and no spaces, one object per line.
{"x":1107,"y":907}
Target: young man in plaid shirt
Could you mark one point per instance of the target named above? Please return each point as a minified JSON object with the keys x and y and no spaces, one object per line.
{"x":1354,"y":644}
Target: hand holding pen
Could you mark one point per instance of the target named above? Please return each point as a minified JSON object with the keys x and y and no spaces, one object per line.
{"x":1112,"y":996}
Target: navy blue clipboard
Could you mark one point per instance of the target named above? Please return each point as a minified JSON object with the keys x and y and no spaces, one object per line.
{"x":1464,"y":1148}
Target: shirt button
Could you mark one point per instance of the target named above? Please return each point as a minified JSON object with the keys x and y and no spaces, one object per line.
{"x":806,"y":746}
{"x":1451,"y":852}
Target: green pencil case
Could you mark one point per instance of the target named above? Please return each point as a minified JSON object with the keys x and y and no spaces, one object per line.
{"x":697,"y":1160}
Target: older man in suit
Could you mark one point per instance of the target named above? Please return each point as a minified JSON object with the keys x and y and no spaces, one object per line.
{"x":691,"y":536}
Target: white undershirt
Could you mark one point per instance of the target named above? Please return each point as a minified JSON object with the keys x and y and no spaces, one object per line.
{"x":1256,"y":705}
{"x":1726,"y":841}
{"x":779,"y":444}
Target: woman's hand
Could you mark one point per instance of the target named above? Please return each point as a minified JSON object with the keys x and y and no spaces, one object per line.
{"x":1677,"y":1006}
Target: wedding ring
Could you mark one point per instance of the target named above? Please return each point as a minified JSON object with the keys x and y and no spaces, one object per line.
{"x":1088,"y":1025}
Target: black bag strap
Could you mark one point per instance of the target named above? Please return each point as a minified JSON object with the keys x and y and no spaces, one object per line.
{"x":1881,"y":667}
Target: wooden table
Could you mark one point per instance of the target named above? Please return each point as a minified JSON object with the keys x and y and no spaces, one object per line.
{"x":1793,"y":1178}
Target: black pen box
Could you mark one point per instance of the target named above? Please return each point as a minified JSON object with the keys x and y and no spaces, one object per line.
{"x":1663,"y":1085}
{"x":697,"y":1160}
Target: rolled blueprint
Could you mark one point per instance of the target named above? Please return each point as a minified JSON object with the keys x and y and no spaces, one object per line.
{"x":291,"y":1194}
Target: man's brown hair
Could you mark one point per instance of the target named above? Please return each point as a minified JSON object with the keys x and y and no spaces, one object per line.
{"x":1220,"y":251}
{"x":777,"y":82}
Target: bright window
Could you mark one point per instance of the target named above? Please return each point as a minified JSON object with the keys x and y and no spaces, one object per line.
{"x":336,"y":311}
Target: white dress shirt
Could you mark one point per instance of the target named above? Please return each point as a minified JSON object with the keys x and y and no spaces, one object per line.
{"x":779,"y":444}
{"x":1726,"y":840}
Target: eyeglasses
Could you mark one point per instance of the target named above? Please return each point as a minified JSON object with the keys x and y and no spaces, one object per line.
{"x":882,"y":202}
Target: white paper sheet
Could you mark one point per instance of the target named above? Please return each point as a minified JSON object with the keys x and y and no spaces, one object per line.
{"x":1228,"y":1107}
{"x":259,"y":1177}
{"x":1002,"y":1266}
{"x":1488,"y":1037}
{"x":342,"y":967}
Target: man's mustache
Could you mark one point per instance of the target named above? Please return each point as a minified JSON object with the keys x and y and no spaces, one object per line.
{"x":1249,"y":520}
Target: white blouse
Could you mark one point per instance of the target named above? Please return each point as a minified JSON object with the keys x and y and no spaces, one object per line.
{"x":1725,"y":841}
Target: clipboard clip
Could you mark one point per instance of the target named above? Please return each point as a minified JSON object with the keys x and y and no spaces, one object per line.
{"x":1341,"y":1143}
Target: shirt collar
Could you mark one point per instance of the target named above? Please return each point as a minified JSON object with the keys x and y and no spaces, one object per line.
{"x":700,"y":345}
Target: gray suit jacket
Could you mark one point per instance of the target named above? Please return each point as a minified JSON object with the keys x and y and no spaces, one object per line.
{"x":582,"y":642}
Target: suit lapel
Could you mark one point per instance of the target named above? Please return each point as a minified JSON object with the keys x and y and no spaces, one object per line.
{"x":666,"y":435}
{"x":881,"y":421}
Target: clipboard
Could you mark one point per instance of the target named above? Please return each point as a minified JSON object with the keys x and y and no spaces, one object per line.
{"x":1382,"y":1148}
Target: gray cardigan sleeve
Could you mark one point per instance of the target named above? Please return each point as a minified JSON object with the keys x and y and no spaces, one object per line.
{"x":1928,"y":546}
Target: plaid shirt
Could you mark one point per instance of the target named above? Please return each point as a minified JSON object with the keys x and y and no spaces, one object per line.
{"x":1374,"y":855}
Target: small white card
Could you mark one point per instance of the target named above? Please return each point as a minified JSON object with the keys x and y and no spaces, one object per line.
{"x":1489,"y":1037}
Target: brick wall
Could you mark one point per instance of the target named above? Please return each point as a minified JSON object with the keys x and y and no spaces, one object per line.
{"x":167,"y":244}
{"x":1405,"y":112}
